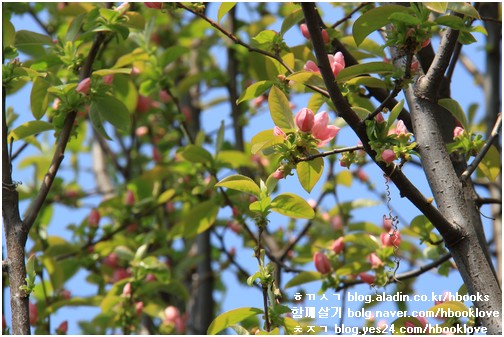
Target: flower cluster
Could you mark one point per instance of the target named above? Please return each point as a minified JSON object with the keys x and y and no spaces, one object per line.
{"x":317,"y":125}
{"x":336,"y":61}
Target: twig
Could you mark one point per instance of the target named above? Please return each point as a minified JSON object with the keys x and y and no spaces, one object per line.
{"x":379,"y":109}
{"x":484,"y":18}
{"x":484,"y":201}
{"x":37,"y":19}
{"x":493,"y":135}
{"x":328,"y":153}
{"x":471,"y":68}
{"x":348,"y":16}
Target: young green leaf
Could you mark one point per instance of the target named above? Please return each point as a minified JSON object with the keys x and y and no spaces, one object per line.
{"x":290,"y":20}
{"x":308,"y":78}
{"x":365,"y":68}
{"x":29,"y":129}
{"x":231,"y":317}
{"x":454,"y":107}
{"x":264,"y":140}
{"x":490,"y":166}
{"x":438,"y":7}
{"x":97,"y":120}
{"x":309,"y":172}
{"x":39,"y":97}
{"x":279,"y":109}
{"x":302,"y":278}
{"x":372,"y":20}
{"x":197,"y":154}
{"x":240,"y":183}
{"x":395,"y":112}
{"x":224,"y":8}
{"x":113,"y":111}
{"x":292,"y":205}
{"x":254,"y":90}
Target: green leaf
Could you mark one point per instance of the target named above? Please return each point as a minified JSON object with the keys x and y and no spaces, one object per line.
{"x":344,"y":178}
{"x":240,"y":183}
{"x":454,"y":107}
{"x":302,"y":278}
{"x":26,"y":38}
{"x":220,"y":138}
{"x":279,"y":109}
{"x":239,"y":329}
{"x":231,"y":317}
{"x":197,"y":154}
{"x":30,"y":268}
{"x":171,"y":54}
{"x":405,"y":18}
{"x":352,"y":268}
{"x":372,"y":20}
{"x":362,"y":239}
{"x":316,"y":101}
{"x":224,"y":8}
{"x":464,"y":8}
{"x":8,"y":33}
{"x":166,"y":196}
{"x":309,"y":172}
{"x":292,"y":205}
{"x":368,"y":81}
{"x":395,"y":112}
{"x":264,"y":140}
{"x":235,"y":159}
{"x":97,"y":120}
{"x":196,"y":220}
{"x":401,"y":321}
{"x":290,"y":20}
{"x":450,"y":21}
{"x":105,"y":72}
{"x":308,"y":78}
{"x":113,"y":111}
{"x":254,"y":90}
{"x":29,"y":129}
{"x":39,"y":97}
{"x":491,"y":164}
{"x":365,"y":68}
{"x":438,"y":7}
{"x":454,"y":306}
{"x":361,"y":112}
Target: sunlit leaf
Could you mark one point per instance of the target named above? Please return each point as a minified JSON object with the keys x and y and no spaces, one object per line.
{"x":365,"y":68}
{"x":302,"y":278}
{"x":309,"y":172}
{"x":491,"y":164}
{"x":240,"y":183}
{"x":231,"y":317}
{"x":224,"y":8}
{"x":292,"y":205}
{"x":29,"y":129}
{"x":279,"y":109}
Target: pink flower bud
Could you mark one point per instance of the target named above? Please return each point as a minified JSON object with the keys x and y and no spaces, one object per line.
{"x":337,"y":223}
{"x":338,"y":245}
{"x":141,"y":131}
{"x":154,"y":5}
{"x":108,"y":79}
{"x":144,"y":103}
{"x":171,"y":314}
{"x":150,"y":277}
{"x":130,"y":198}
{"x":304,"y":31}
{"x":278,"y":174}
{"x":342,"y":163}
{"x":279,"y":132}
{"x":83,"y":86}
{"x":94,"y":218}
{"x":62,"y":328}
{"x":337,"y":62}
{"x":120,"y":274}
{"x":375,"y":261}
{"x":164,"y":96}
{"x":33,"y":312}
{"x":312,"y":203}
{"x":156,"y":155}
{"x":305,"y":119}
{"x":139,"y":308}
{"x":258,"y":101}
{"x":388,"y":156}
{"x":111,"y":260}
{"x":458,"y":131}
{"x":387,"y":224}
{"x":391,"y":239}
{"x":65,"y":294}
{"x":362,"y":176}
{"x":367,"y":278}
{"x":400,"y":128}
{"x":425,"y":43}
{"x":325,"y":36}
{"x":311,"y":66}
{"x":56,"y":103}
{"x":382,"y":325}
{"x":122,"y":8}
{"x":379,"y":118}
{"x":322,"y":263}
{"x":127,"y":289}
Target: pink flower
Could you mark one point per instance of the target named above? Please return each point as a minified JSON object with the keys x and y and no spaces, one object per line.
{"x":62,"y":328}
{"x":144,"y":103}
{"x":423,"y":321}
{"x":367,"y":278}
{"x":83,"y":86}
{"x":325,"y":36}
{"x":382,"y":325}
{"x":458,"y":131}
{"x":154,"y":5}
{"x":338,"y":245}
{"x":108,"y":79}
{"x":142,"y":131}
{"x":150,"y":277}
{"x":94,"y":218}
{"x":120,"y":274}
{"x":111,"y":260}
{"x":391,"y":239}
{"x":322,"y":263}
{"x":164,"y":96}
{"x":336,"y":222}
{"x":375,"y":261}
{"x":304,"y":31}
{"x":258,"y":101}
{"x":311,"y":66}
{"x":400,"y":128}
{"x":321,"y":130}
{"x":337,"y":62}
{"x":278,"y":174}
{"x":312,"y":203}
{"x":173,"y":317}
{"x":388,"y":156}
{"x":279,"y":132}
{"x":305,"y":119}
{"x":33,"y":312}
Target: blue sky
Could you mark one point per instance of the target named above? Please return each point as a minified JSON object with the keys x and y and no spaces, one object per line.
{"x":238,"y":295}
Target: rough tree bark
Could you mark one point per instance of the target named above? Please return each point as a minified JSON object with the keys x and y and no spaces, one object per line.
{"x":457,"y":216}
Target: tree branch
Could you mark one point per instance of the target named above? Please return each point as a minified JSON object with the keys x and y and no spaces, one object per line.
{"x":474,"y":164}
{"x":349,"y":15}
{"x":328,"y":153}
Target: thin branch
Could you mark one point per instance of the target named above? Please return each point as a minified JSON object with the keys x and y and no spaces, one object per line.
{"x":349,"y":15}
{"x":63,"y":139}
{"x":485,"y":201}
{"x":493,"y":135}
{"x":328,"y":153}
{"x":484,"y":18}
{"x":39,"y":22}
{"x":385,"y":102}
{"x":471,"y":68}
